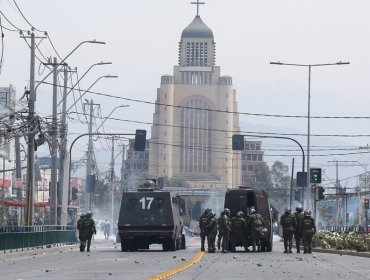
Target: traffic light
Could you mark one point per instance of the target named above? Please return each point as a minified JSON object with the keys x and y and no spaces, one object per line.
{"x":140,"y":140}
{"x":315,"y":175}
{"x":90,"y":183}
{"x":301,"y":179}
{"x":320,"y":193}
{"x":366,"y":203}
{"x":298,"y":194}
{"x":238,"y":142}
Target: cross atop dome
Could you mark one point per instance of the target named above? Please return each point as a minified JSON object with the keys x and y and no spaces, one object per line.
{"x":197,"y":3}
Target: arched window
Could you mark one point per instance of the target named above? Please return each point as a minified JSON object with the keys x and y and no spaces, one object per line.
{"x":196,"y":137}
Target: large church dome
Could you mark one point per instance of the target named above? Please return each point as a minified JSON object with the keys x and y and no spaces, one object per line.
{"x":197,"y":29}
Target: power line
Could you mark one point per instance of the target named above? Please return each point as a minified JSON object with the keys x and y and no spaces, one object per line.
{"x":19,"y":10}
{"x":222,"y":111}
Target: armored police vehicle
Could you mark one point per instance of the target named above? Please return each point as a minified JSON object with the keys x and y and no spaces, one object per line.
{"x":151,"y":216}
{"x":242,"y":199}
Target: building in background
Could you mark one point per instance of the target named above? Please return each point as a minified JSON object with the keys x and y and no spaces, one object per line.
{"x":193,"y":120}
{"x":7,"y":107}
{"x":252,"y":156}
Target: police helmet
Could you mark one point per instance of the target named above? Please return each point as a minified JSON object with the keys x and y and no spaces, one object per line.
{"x":88,"y":214}
{"x":208,"y":210}
{"x":307,"y":213}
{"x":82,"y":216}
{"x":253,"y":210}
{"x":240,"y":214}
{"x":212,"y":214}
{"x":227,"y":211}
{"x":288,"y":210}
{"x":298,"y":209}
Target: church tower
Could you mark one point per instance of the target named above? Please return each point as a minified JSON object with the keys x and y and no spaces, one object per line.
{"x":192,"y":126}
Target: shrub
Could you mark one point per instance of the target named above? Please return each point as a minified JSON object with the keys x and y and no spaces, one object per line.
{"x":342,"y":241}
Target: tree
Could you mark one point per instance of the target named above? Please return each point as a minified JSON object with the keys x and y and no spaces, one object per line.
{"x":280,"y":175}
{"x":263,"y":176}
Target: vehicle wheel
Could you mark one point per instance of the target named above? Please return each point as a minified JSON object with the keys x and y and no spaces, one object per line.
{"x":124,"y":247}
{"x":263,"y":247}
{"x":269,"y":246}
{"x":172,"y":244}
{"x":183,"y":242}
{"x":132,"y":246}
{"x":178,"y":244}
{"x":165,"y":246}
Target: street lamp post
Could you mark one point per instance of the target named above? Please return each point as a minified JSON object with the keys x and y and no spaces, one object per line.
{"x":31,"y":137}
{"x":105,"y":76}
{"x":308,"y":108}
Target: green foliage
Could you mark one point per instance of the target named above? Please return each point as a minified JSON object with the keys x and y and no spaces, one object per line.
{"x":342,"y":241}
{"x":279,"y":174}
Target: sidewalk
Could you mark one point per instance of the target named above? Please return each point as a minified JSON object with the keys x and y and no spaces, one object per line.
{"x":342,"y":252}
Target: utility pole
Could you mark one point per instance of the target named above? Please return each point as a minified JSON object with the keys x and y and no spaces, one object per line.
{"x":62,"y":152}
{"x":63,"y":143}
{"x":54,"y":198}
{"x":30,"y":179}
{"x":18,"y":168}
{"x":112,"y":188}
{"x":123,"y":168}
{"x":289,"y":199}
{"x":31,"y":139}
{"x":89,"y":152}
{"x":338,"y":191}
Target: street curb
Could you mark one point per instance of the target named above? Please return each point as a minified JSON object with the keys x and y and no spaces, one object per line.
{"x":342,"y":252}
{"x":29,"y":251}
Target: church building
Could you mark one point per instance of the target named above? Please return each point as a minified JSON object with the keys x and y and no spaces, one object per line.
{"x":193,"y":120}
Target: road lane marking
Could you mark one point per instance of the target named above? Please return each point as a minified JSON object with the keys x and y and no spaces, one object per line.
{"x":182,"y":267}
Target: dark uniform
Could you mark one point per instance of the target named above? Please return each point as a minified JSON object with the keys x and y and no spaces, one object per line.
{"x":211,"y":229}
{"x":224,"y":229}
{"x":255,"y":221}
{"x":287,"y":221}
{"x":79,"y":227}
{"x":238,"y":231}
{"x":88,"y":229}
{"x":203,"y":221}
{"x":298,"y":215}
{"x":308,"y":229}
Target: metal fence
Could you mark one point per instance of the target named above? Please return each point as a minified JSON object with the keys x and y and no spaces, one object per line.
{"x":346,"y":229}
{"x":16,"y":237}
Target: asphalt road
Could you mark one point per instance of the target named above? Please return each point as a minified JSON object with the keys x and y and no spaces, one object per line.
{"x":106,"y":261}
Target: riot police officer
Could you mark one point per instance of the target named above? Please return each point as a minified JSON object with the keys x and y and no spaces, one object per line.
{"x":224,"y":228}
{"x":238,"y":231}
{"x":203,"y":221}
{"x":298,"y":215}
{"x":79,"y":228}
{"x":211,"y":229}
{"x":256,"y":224}
{"x":308,"y":229}
{"x":288,"y":223}
{"x":88,"y":229}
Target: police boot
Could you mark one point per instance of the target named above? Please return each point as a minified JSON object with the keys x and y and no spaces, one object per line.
{"x":285,"y":250}
{"x":298,"y":250}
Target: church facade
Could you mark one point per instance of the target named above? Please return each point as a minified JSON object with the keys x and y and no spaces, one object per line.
{"x":193,"y":120}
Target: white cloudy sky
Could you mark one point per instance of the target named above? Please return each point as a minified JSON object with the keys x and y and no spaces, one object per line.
{"x":142,"y":42}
